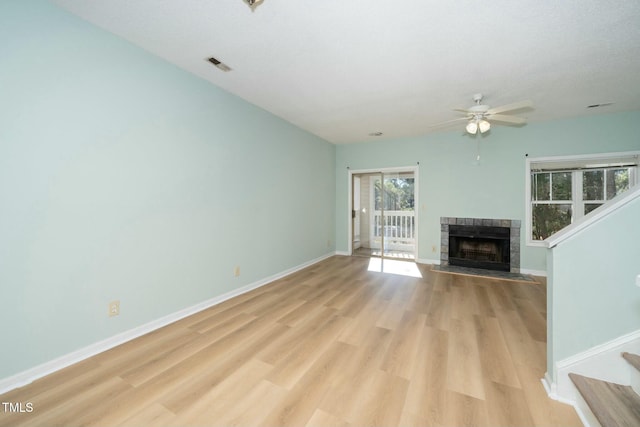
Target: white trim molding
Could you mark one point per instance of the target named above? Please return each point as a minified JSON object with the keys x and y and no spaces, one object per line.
{"x":415,"y":169}
{"x":32,"y":374}
{"x":603,"y":362}
{"x":540,"y":273}
{"x":586,"y":416}
{"x":428,"y":261}
{"x":570,"y":162}
{"x":601,"y":212}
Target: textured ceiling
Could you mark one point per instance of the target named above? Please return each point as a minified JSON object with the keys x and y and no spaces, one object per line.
{"x":343,"y":69}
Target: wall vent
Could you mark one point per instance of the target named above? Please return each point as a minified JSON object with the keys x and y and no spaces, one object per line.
{"x":222,"y":66}
{"x":604,"y":104}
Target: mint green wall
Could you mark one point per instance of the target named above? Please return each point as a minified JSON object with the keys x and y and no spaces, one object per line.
{"x":593,"y":297}
{"x":452,"y":183}
{"x":124,"y":177}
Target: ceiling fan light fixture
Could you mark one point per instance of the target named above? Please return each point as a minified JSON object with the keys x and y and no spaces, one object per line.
{"x":484,"y":126}
{"x":479,"y":117}
{"x":253,"y":3}
{"x":472,"y":127}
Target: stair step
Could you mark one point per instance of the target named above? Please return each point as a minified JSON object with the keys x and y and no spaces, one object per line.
{"x":634,"y":359}
{"x":612,"y":404}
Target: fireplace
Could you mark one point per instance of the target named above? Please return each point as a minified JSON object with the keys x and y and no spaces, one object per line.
{"x":479,"y":246}
{"x":492,"y":244}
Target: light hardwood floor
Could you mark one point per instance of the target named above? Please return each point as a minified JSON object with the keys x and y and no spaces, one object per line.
{"x":333,"y":344}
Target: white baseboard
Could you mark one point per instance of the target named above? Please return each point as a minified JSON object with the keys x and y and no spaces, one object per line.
{"x":581,"y":407}
{"x":343,"y":253}
{"x":428,"y":261}
{"x":603,"y":362}
{"x":32,"y":374}
{"x":541,"y":273}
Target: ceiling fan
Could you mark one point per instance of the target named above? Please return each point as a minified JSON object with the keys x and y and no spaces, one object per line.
{"x":480,"y":116}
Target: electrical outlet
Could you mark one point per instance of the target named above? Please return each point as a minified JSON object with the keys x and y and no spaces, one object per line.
{"x":236,"y":271}
{"x":433,"y":248}
{"x":114,"y":308}
{"x":328,"y":243}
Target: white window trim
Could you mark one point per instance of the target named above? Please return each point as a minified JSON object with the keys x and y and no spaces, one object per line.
{"x":415,"y":169}
{"x":560,"y":160}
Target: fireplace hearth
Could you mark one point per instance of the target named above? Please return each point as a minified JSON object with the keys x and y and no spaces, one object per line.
{"x":491,"y":244}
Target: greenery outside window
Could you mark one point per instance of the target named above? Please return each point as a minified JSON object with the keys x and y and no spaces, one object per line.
{"x":551,"y":205}
{"x":398,"y":193}
{"x":562,"y":190}
{"x":601,"y":185}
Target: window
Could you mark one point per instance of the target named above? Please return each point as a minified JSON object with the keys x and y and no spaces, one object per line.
{"x":562,"y":190}
{"x":552,"y":202}
{"x":601,"y":185}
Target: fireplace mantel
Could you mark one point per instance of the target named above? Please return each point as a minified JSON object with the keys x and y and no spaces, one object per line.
{"x":512,"y":224}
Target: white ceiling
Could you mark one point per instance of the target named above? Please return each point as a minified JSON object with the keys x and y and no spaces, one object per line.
{"x":342,"y":69}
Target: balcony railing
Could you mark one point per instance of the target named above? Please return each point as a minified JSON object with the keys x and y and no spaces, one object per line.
{"x":399,"y":228}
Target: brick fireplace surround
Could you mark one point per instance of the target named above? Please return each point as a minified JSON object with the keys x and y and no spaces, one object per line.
{"x":514,"y":241}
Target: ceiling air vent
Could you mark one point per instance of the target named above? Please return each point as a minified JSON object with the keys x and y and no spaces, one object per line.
{"x":604,"y":104}
{"x":224,"y":67}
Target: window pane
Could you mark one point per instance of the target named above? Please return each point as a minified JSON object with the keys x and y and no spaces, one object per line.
{"x":593,"y":185}
{"x":561,"y":186}
{"x":617,"y":182}
{"x":548,"y":219}
{"x":540,"y":186}
{"x":398,"y":194}
{"x":588,"y":207}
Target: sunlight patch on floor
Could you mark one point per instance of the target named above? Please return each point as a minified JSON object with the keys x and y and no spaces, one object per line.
{"x":392,"y":266}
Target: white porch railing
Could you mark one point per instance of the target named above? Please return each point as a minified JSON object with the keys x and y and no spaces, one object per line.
{"x":399,"y":229}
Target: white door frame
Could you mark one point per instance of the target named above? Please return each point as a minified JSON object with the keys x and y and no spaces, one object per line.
{"x":414,"y":169}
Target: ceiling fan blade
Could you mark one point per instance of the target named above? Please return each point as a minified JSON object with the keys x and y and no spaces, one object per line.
{"x":448,"y":121}
{"x":462,"y":110}
{"x":507,"y":119}
{"x":510,"y":107}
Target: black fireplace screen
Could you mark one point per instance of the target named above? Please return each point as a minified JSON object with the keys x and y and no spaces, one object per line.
{"x":479,"y":247}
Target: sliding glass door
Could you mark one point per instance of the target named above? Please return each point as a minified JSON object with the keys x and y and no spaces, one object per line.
{"x":383,"y":216}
